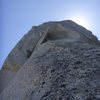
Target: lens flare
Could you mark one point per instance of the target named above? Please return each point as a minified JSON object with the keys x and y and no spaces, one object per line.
{"x":81,"y":21}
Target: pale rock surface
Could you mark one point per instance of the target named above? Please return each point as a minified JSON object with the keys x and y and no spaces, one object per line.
{"x":53,"y":61}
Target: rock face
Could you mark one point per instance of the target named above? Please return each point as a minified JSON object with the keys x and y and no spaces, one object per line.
{"x":53,"y":61}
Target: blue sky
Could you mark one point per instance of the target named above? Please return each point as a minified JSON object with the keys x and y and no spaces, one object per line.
{"x":18,"y":16}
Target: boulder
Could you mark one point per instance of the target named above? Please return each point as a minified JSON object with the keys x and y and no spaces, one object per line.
{"x":53,"y":61}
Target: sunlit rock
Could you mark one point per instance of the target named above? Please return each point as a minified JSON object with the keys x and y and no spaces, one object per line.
{"x":53,"y":61}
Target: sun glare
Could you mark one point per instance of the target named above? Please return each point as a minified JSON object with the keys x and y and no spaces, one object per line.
{"x":81,"y":21}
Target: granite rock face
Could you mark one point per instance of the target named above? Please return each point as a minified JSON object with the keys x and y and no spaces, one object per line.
{"x":53,"y":61}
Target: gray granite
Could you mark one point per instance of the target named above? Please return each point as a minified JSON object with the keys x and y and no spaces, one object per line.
{"x":63,"y":64}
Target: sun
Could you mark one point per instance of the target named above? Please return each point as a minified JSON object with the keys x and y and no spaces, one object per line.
{"x":81,"y":21}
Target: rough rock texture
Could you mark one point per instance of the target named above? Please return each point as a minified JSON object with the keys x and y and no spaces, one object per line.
{"x":53,"y":61}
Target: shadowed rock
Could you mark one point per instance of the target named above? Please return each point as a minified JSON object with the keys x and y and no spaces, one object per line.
{"x":53,"y":61}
